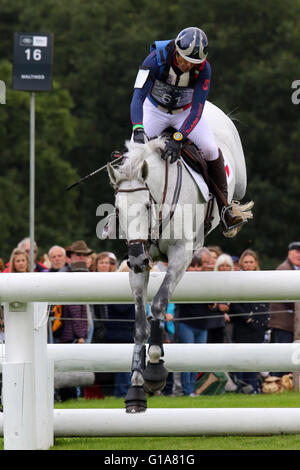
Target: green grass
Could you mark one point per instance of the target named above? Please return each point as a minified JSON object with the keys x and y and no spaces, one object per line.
{"x":229,"y":400}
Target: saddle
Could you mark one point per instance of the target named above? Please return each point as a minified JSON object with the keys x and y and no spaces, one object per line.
{"x":194,"y":158}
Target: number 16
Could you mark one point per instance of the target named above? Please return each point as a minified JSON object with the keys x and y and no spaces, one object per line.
{"x":37,"y":54}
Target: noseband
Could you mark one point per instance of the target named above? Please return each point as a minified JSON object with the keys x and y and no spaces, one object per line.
{"x":133,"y":190}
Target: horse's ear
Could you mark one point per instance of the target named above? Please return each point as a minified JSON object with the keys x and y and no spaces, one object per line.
{"x":113,"y":174}
{"x":145,"y":170}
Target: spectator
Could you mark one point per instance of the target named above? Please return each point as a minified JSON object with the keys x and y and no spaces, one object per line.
{"x":2,"y":266}
{"x":281,"y":319}
{"x":249,"y":261}
{"x":25,"y":245}
{"x":215,"y":252}
{"x":113,"y":331}
{"x":100,"y":316}
{"x":193,"y":330}
{"x":68,"y":259}
{"x":100,"y":311}
{"x":19,"y":261}
{"x":249,"y":321}
{"x":75,"y":317}
{"x":206,"y":262}
{"x":121,"y":332}
{"x":57,"y":257}
{"x":90,"y":262}
{"x":77,"y":254}
{"x":236,"y":263}
{"x":113,"y":262}
{"x":216,"y":326}
{"x":102,"y":263}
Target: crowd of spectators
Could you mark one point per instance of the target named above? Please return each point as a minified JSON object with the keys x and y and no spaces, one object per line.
{"x":185,"y":323}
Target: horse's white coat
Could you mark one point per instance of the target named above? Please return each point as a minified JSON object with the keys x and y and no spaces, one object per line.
{"x":184,"y":233}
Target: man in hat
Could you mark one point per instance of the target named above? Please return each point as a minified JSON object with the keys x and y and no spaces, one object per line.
{"x":74,"y":317}
{"x":78,"y":253}
{"x":282,"y":315}
{"x":76,"y":330}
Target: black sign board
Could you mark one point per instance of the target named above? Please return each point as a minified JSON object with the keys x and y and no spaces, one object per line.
{"x":33,"y":61}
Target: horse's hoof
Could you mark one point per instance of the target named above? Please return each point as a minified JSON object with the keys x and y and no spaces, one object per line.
{"x":155,"y":376}
{"x":136,"y":409}
{"x":136,"y":399}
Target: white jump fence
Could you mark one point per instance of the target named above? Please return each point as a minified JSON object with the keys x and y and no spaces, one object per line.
{"x":28,"y":362}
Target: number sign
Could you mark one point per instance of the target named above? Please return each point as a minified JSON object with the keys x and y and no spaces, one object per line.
{"x":33,"y":61}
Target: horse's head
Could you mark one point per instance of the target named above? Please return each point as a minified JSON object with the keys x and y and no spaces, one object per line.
{"x":133,"y":210}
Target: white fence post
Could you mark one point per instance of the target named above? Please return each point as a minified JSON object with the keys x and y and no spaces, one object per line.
{"x":28,"y":410}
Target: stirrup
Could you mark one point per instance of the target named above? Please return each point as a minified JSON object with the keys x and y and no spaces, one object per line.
{"x":230,"y":231}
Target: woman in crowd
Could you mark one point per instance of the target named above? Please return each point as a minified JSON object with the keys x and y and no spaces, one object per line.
{"x":191,"y":328}
{"x":19,"y":261}
{"x":216,"y":326}
{"x":113,"y":261}
{"x":250,"y":320}
{"x":102,"y":263}
{"x":215,"y":252}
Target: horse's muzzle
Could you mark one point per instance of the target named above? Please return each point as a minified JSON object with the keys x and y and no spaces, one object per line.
{"x":138,"y":260}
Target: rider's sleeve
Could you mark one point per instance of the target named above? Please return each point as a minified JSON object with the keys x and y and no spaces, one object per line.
{"x":141,"y":92}
{"x":199,"y":97}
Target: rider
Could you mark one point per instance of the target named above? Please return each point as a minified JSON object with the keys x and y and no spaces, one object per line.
{"x":170,"y":89}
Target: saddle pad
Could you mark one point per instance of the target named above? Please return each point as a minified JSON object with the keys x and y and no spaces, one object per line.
{"x":199,"y":180}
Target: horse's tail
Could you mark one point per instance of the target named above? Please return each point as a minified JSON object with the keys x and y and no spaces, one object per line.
{"x":242,"y":210}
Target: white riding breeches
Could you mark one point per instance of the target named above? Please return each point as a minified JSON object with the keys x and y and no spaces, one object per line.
{"x":156,"y":121}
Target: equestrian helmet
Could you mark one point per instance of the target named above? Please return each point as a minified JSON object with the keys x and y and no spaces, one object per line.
{"x":191,"y":44}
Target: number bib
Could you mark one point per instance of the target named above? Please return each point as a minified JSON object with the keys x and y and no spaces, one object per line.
{"x":170,"y":96}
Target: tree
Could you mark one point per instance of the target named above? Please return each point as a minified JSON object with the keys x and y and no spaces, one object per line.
{"x":253,"y":50}
{"x":58,"y":219}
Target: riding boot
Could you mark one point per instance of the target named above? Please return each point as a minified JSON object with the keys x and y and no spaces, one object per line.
{"x":217,"y":175}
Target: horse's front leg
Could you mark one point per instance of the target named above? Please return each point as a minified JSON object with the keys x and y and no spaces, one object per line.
{"x":155,"y":374}
{"x":136,"y":400}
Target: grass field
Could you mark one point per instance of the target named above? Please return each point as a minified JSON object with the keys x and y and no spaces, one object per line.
{"x":229,"y":400}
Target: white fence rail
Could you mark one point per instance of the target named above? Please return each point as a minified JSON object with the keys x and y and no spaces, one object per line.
{"x":28,"y":364}
{"x":178,"y":357}
{"x":66,"y":288}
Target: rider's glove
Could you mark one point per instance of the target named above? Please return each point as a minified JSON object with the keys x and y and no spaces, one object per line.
{"x":173,"y":147}
{"x":139,"y":136}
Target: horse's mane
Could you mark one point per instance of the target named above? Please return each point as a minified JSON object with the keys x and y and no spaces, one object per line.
{"x":136,"y":155}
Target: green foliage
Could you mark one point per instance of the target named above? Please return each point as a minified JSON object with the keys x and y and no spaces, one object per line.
{"x":57,"y":216}
{"x":254,"y":53}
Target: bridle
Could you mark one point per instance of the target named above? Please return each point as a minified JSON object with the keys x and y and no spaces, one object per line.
{"x":162,"y":223}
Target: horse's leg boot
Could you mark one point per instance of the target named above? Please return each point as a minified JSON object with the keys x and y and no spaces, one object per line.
{"x":155,"y":373}
{"x":156,"y":337}
{"x":155,"y":376}
{"x":136,"y":399}
{"x":217,"y":174}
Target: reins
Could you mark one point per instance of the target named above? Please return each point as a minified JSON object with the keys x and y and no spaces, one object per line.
{"x":162,"y":223}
